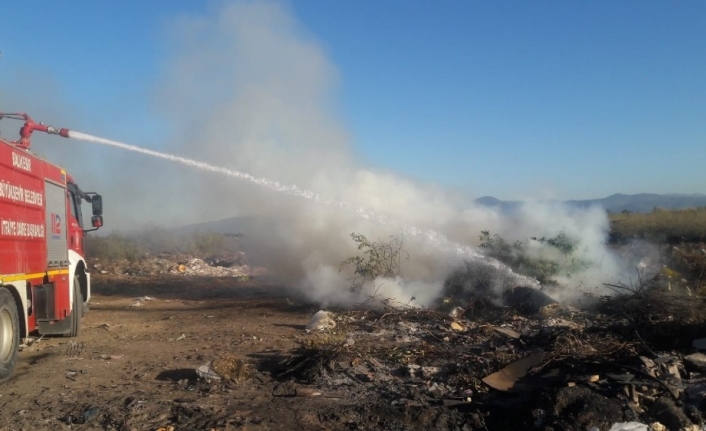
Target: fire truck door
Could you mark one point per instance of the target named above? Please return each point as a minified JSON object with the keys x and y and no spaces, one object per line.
{"x":57,"y":246}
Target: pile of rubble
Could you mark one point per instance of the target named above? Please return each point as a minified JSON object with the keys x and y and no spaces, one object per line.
{"x":215,"y":266}
{"x":491,"y":368}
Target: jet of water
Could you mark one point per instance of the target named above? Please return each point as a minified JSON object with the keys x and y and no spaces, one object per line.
{"x":437,"y":240}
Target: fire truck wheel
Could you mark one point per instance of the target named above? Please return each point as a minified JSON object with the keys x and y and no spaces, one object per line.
{"x":9,"y":333}
{"x":77,"y":311}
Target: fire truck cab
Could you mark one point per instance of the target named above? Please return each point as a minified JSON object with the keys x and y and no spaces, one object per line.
{"x":44,"y":280}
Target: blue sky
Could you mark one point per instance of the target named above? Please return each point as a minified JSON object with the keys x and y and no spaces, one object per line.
{"x":539,"y":99}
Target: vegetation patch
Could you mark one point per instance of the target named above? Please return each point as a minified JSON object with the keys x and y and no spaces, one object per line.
{"x":671,"y":226}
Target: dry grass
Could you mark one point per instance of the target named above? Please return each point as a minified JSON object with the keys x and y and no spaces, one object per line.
{"x":673,"y":226}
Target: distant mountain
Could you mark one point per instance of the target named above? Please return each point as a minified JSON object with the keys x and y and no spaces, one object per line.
{"x":643,"y":202}
{"x":497,"y":204}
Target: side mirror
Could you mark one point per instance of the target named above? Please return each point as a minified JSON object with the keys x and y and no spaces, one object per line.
{"x":97,"y":206}
{"x":96,"y":221}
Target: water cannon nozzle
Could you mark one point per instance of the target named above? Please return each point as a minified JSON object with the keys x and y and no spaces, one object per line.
{"x":56,"y":131}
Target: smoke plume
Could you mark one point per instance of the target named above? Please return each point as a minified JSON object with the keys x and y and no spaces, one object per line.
{"x":245,"y":87}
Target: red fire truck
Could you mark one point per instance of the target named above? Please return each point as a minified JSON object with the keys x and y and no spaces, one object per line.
{"x":44,"y":281}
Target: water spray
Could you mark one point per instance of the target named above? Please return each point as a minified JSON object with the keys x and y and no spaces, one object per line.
{"x":434,"y":238}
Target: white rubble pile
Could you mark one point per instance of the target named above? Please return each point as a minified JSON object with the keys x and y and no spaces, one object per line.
{"x":197,"y":266}
{"x":179,"y":265}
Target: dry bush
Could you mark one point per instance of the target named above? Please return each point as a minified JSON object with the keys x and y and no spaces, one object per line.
{"x":313,"y":358}
{"x":655,"y":299}
{"x":691,"y":260}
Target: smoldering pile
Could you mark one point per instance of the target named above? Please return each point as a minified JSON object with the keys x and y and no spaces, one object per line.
{"x":480,"y":353}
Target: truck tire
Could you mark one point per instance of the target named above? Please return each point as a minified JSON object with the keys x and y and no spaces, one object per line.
{"x":9,"y":334}
{"x":77,"y":311}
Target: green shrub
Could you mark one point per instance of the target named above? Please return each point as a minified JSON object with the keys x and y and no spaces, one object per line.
{"x":379,"y":259}
{"x":557,"y":258}
{"x":115,"y":246}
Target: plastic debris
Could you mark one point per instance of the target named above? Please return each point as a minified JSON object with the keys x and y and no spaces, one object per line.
{"x":507,"y":331}
{"x":321,"y":320}
{"x":629,"y":426}
{"x":207,"y":373}
{"x":457,"y":312}
{"x":82,"y":418}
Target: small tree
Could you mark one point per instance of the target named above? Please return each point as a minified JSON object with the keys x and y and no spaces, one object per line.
{"x":379,"y":259}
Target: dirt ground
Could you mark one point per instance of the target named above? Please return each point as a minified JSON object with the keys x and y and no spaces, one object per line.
{"x":133,"y":367}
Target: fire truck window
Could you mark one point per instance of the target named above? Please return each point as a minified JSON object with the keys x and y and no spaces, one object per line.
{"x":73,"y":205}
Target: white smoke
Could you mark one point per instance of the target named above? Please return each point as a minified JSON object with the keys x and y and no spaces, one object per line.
{"x":247,"y":89}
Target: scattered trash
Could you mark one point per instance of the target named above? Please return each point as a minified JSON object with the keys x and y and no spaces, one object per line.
{"x":112,"y":357}
{"x":321,"y":320}
{"x":452,"y":369}
{"x":627,"y":426}
{"x":457,"y":326}
{"x":307,"y":392}
{"x":507,"y":331}
{"x":29,"y":341}
{"x":457,"y":312}
{"x":507,"y":378}
{"x":83,"y":418}
{"x":423,"y":372}
{"x":207,"y":373}
{"x":231,"y":265}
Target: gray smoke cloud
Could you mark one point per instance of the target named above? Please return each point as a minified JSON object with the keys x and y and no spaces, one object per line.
{"x":246,"y":87}
{"x":249,"y":89}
